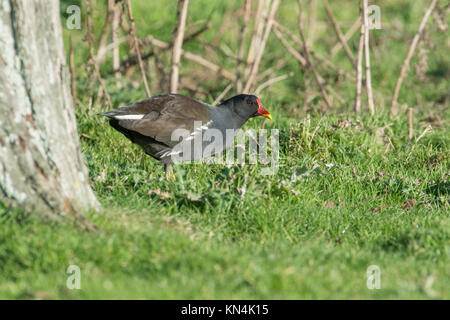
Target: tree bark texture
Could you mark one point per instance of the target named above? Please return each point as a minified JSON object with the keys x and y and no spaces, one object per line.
{"x":41,"y":166}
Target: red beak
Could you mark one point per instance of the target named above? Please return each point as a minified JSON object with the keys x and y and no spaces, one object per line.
{"x":263,"y":112}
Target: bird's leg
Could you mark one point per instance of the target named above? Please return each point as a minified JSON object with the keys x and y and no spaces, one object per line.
{"x":168,"y":169}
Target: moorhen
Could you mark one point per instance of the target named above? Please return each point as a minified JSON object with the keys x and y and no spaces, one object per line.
{"x":151,"y":123}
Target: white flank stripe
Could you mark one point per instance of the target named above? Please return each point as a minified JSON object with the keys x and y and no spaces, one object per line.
{"x":129,"y":117}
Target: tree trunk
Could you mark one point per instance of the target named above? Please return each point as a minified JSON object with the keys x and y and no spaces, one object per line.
{"x":41,"y":166}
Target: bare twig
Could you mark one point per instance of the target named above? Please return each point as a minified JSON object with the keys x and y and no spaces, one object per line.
{"x":229,"y":16}
{"x":224,"y":92}
{"x":367,"y":59}
{"x":260,"y":16}
{"x":103,"y":50}
{"x":302,"y":60}
{"x":428,"y":129}
{"x":339,"y":33}
{"x":92,"y":55}
{"x":104,"y":35}
{"x":243,"y":32}
{"x":338,"y":46}
{"x":194,"y":57}
{"x":255,"y":66}
{"x":72,"y":72}
{"x":410,"y":124}
{"x":308,"y":58}
{"x":272,"y":69}
{"x":405,"y":65}
{"x":115,"y":36}
{"x":291,"y":49}
{"x":316,"y":56}
{"x":332,"y":66}
{"x":359,"y":70}
{"x":272,"y":81}
{"x":178,"y":43}
{"x":136,"y":47}
{"x":132,"y":60}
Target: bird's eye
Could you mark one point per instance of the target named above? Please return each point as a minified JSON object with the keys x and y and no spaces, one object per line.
{"x":249,"y":102}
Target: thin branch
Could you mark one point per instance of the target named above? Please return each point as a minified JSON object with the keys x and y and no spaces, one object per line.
{"x":405,"y":65}
{"x":316,"y":56}
{"x":104,"y":34}
{"x":103,"y":50}
{"x":136,"y":47}
{"x":92,"y":55}
{"x":261,"y":13}
{"x":240,"y":57}
{"x":178,"y":43}
{"x":359,"y":70}
{"x":255,"y":66}
{"x":339,"y":33}
{"x":338,"y":46}
{"x":272,"y":69}
{"x":291,"y":49}
{"x":367,"y":59}
{"x":115,"y":37}
{"x":224,"y":92}
{"x":194,"y":57}
{"x":132,"y":60}
{"x":302,"y":60}
{"x":332,"y":66}
{"x":272,"y":81}
{"x":308,"y":58}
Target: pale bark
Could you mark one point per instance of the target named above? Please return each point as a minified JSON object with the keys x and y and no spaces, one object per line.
{"x":115,"y":40}
{"x":367,"y":60}
{"x":178,"y":44}
{"x":359,"y":70}
{"x":255,"y":66}
{"x":41,"y":166}
{"x":136,"y":47}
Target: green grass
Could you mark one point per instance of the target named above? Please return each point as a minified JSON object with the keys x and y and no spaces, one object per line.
{"x":344,"y":197}
{"x":302,"y":233}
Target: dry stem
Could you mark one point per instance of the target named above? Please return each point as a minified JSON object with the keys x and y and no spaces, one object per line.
{"x":255,"y":66}
{"x":339,"y":33}
{"x":178,"y":43}
{"x":359,"y":70}
{"x":136,"y":47}
{"x":405,"y":65}
{"x":367,"y":60}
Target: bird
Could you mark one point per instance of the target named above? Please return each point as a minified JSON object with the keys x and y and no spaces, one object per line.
{"x":151,"y":124}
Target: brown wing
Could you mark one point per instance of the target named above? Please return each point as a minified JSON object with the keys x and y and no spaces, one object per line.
{"x":163,"y":114}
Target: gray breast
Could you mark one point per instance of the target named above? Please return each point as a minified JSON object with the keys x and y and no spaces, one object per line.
{"x":207,"y":139}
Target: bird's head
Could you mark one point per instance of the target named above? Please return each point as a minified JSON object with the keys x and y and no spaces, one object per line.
{"x":247,"y":106}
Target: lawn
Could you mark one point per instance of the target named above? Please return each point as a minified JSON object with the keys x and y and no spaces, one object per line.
{"x":351,"y":191}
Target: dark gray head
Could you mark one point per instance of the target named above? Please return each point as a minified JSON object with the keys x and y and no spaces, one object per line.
{"x":246,"y":106}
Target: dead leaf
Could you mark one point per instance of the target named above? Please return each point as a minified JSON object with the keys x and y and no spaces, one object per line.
{"x":435,"y":161}
{"x":162,"y":195}
{"x":194,"y":197}
{"x":328,"y":204}
{"x":345,"y":123}
{"x":409,"y":203}
{"x":377,"y":209}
